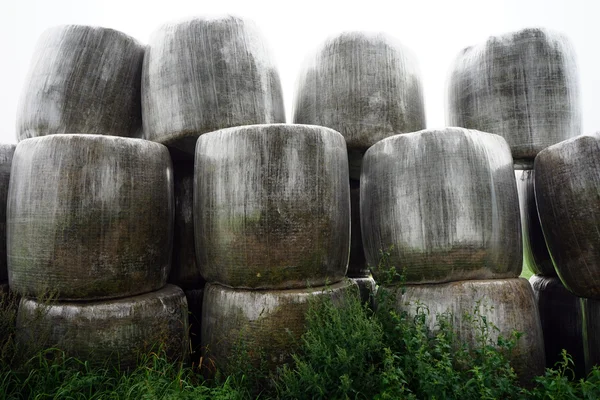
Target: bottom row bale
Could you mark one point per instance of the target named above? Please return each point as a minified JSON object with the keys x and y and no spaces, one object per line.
{"x":261,"y":325}
{"x":114,"y":331}
{"x":561,"y":318}
{"x":476,"y":305}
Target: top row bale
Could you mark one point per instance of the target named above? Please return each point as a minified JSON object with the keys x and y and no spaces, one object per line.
{"x":366,"y":86}
{"x":82,"y":79}
{"x":203,"y":74}
{"x":523,"y":86}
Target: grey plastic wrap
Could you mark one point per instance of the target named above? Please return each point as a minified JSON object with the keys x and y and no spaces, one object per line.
{"x":185,"y":273}
{"x":443,"y":206}
{"x":268,"y":322}
{"x":523,"y":86}
{"x":567,"y":188}
{"x":272,"y":206}
{"x":367,"y":86}
{"x":89,"y":217}
{"x":82,"y":79}
{"x":535,"y":252}
{"x":357,"y":264}
{"x":507,"y":304}
{"x":562,"y":320}
{"x":6,"y":156}
{"x":114,"y":331}
{"x":204,"y":74}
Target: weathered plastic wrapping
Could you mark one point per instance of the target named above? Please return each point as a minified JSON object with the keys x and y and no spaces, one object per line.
{"x":272,"y":206}
{"x":357,"y":264}
{"x":561,"y":318}
{"x":443,"y":204}
{"x":535,"y":252}
{"x":194,"y":300}
{"x":523,"y":86}
{"x":508,"y":304}
{"x":567,"y":192}
{"x":82,"y":79}
{"x":185,"y":273}
{"x":204,"y":74}
{"x":89,"y":217}
{"x":266,"y":322}
{"x":367,"y":86}
{"x":116,"y":330}
{"x":6,"y":156}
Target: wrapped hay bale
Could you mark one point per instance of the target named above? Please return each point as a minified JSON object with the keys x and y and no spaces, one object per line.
{"x":439,"y":206}
{"x":523,"y":86}
{"x":204,"y":74}
{"x":567,"y":178}
{"x":89,"y":217}
{"x":118,"y":331}
{"x":561,"y":318}
{"x":507,"y":304}
{"x":265,"y":323}
{"x":272,"y":206}
{"x":83,"y":79}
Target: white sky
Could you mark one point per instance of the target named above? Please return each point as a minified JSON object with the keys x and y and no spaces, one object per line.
{"x":435,"y":30}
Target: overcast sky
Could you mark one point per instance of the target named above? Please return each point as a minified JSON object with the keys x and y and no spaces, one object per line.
{"x":435,"y":30}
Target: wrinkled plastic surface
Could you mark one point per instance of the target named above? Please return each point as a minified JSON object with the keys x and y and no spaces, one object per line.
{"x":185,"y":273}
{"x":205,"y":74}
{"x":523,"y":86}
{"x":114,"y":330}
{"x":272,"y":206}
{"x":508,"y":304}
{"x":443,"y":204}
{"x":562,"y":320}
{"x":6,"y":156}
{"x":89,"y":217}
{"x":535,"y":252}
{"x":567,"y":191}
{"x":268,"y":322}
{"x":82,"y":79}
{"x":367,"y":86}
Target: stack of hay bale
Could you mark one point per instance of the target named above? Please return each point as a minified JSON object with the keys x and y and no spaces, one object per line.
{"x":567,"y":179}
{"x":524,"y":87}
{"x":367,"y":87}
{"x":272,"y":224}
{"x":90,"y":214}
{"x":201,"y":75}
{"x":443,"y":204}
